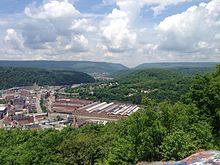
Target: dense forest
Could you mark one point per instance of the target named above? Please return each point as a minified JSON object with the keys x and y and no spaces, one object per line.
{"x":160,"y":131}
{"x":14,"y":77}
{"x":158,"y":84}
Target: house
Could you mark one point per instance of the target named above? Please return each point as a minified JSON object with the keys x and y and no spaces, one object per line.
{"x":23,"y":120}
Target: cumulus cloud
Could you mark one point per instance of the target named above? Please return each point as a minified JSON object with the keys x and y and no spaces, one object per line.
{"x":83,"y":25}
{"x":13,"y":39}
{"x":119,"y":27}
{"x":53,"y":30}
{"x":195,"y":30}
{"x":77,"y":43}
{"x":52,"y":10}
{"x":56,"y":25}
{"x":116,"y":31}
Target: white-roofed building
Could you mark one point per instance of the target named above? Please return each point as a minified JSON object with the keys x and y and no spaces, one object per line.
{"x":3,"y":111}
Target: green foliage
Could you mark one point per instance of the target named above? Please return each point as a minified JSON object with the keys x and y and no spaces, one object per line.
{"x":158,"y":84}
{"x":205,"y":94}
{"x":149,"y":134}
{"x":43,"y":107}
{"x":13,"y":77}
{"x":79,"y":149}
{"x":29,"y":147}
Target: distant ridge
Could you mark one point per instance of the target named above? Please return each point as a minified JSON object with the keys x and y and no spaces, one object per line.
{"x":102,"y":67}
{"x":177,"y":65}
{"x":81,"y":66}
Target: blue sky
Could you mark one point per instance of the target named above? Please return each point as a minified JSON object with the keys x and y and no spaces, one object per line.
{"x":14,"y":6}
{"x":125,"y":31}
{"x":94,"y":6}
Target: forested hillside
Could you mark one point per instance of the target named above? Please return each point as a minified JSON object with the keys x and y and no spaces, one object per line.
{"x":14,"y":77}
{"x":159,"y":84}
{"x":160,"y":131}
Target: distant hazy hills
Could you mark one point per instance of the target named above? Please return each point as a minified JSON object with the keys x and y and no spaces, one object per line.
{"x":81,"y":66}
{"x":101,"y":67}
{"x":177,"y":65}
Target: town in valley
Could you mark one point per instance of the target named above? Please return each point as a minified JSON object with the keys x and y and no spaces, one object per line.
{"x":46,"y":107}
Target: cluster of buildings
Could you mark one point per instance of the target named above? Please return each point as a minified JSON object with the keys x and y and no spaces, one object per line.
{"x":101,"y":76}
{"x":19,"y":99}
{"x":22,"y":108}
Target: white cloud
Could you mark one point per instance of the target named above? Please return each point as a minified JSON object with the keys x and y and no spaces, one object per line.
{"x":134,"y":6}
{"x":13,"y":39}
{"x":78,"y":43}
{"x":57,"y":26}
{"x":195,"y":30}
{"x":120,"y":26}
{"x":202,"y":45}
{"x":54,"y":30}
{"x":131,"y":8}
{"x":117,"y":32}
{"x":83,"y":25}
{"x":160,"y":5}
{"x":51,"y":10}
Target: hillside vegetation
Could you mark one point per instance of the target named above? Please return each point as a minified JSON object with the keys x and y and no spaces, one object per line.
{"x":160,"y":131}
{"x":159,"y":84}
{"x":14,"y":77}
{"x":81,"y":66}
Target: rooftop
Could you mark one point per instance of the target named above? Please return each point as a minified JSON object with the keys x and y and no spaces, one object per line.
{"x":2,"y":107}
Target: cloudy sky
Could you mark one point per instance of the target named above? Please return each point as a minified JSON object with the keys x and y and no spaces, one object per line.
{"x":123,"y":31}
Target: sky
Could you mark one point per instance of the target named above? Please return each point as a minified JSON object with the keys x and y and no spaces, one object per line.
{"x":129,"y":32}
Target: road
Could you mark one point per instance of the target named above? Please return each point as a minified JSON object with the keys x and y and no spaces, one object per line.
{"x":54,"y":115}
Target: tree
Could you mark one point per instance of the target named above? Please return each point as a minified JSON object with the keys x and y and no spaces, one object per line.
{"x":205,"y":94}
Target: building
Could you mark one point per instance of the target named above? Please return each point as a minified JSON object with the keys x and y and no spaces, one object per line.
{"x":22,"y":119}
{"x":3,"y":111}
{"x":68,"y":105}
{"x":18,"y":120}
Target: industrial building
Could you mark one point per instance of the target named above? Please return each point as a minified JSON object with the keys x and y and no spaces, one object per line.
{"x":68,"y":105}
{"x":93,"y":110}
{"x":110,"y":108}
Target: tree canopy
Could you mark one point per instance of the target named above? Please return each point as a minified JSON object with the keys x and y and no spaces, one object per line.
{"x":14,"y":77}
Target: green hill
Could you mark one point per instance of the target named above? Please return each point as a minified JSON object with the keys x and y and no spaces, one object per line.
{"x":81,"y":66}
{"x":159,"y":84}
{"x":17,"y":76}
